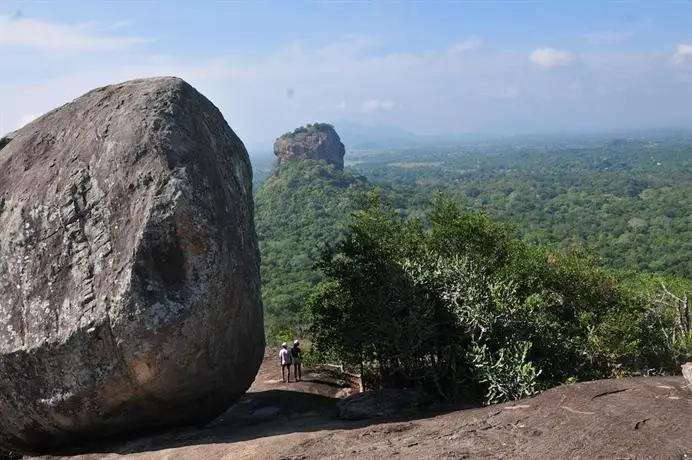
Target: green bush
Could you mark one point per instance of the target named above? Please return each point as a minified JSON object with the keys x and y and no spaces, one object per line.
{"x":458,"y":302}
{"x":507,"y":372}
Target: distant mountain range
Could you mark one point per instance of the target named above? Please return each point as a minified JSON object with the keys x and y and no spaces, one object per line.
{"x":355,"y":136}
{"x":361,"y":137}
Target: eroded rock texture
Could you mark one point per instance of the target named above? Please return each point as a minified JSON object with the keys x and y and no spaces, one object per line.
{"x":129,"y":279}
{"x":317,"y":141}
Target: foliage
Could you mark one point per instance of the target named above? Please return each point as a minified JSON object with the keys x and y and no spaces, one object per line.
{"x":507,"y":373}
{"x":629,"y":199}
{"x":309,"y":128}
{"x":365,"y":282}
{"x":459,"y":302}
{"x":448,"y":296}
{"x":297,"y":211}
{"x":300,"y":208}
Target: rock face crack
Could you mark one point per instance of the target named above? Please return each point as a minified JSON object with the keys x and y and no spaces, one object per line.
{"x":130,"y":294}
{"x":607,"y":393}
{"x":77,"y":231}
{"x":640,"y":423}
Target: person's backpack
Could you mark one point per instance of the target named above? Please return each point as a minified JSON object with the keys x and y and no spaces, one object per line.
{"x":295,"y":352}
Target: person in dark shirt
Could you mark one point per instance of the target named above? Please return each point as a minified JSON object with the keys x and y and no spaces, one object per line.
{"x":296,"y":357}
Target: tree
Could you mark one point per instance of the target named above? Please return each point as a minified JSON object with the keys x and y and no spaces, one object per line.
{"x":463,"y":304}
{"x":396,"y":304}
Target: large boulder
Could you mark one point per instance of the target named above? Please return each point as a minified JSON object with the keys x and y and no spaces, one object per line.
{"x":317,"y":141}
{"x":129,"y":286}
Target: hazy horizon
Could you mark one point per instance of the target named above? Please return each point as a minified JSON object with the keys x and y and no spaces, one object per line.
{"x":493,"y":68}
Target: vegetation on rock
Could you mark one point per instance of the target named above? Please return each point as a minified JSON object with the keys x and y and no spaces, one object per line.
{"x":310,"y":128}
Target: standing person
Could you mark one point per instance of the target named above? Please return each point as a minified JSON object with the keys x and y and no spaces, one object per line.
{"x":285,"y":357}
{"x":296,"y":357}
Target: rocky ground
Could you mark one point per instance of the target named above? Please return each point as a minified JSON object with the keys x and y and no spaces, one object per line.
{"x":640,"y":418}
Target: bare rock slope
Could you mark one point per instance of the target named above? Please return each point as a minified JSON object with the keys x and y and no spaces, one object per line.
{"x":129,"y":295}
{"x":635,"y":418}
{"x":318,"y":141}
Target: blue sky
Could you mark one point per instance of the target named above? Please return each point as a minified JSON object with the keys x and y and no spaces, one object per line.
{"x":428,"y":67}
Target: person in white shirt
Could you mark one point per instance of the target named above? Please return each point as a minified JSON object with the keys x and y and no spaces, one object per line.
{"x":285,"y":357}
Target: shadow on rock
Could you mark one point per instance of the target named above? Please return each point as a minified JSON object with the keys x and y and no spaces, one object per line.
{"x":273,"y":413}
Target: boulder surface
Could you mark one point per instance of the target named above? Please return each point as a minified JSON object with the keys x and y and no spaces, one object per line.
{"x":317,"y":141}
{"x":129,"y":267}
{"x":381,"y":403}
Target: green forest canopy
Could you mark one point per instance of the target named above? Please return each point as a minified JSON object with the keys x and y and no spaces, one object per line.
{"x":462,"y":307}
{"x":630,"y":201}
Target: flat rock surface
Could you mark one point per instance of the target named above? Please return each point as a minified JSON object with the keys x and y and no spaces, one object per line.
{"x":636,"y":418}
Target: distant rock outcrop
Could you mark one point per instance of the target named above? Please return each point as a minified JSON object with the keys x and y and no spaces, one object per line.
{"x":130,"y":294}
{"x":318,"y":141}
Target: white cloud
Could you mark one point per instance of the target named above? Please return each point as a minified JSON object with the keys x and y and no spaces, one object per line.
{"x":550,"y":57}
{"x":351,"y":79}
{"x":683,"y":53}
{"x":21,"y":32}
{"x":374,"y":105}
{"x":466,"y":45}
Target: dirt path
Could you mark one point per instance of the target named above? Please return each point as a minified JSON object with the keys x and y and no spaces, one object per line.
{"x":313,"y":382}
{"x":642,"y":418}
